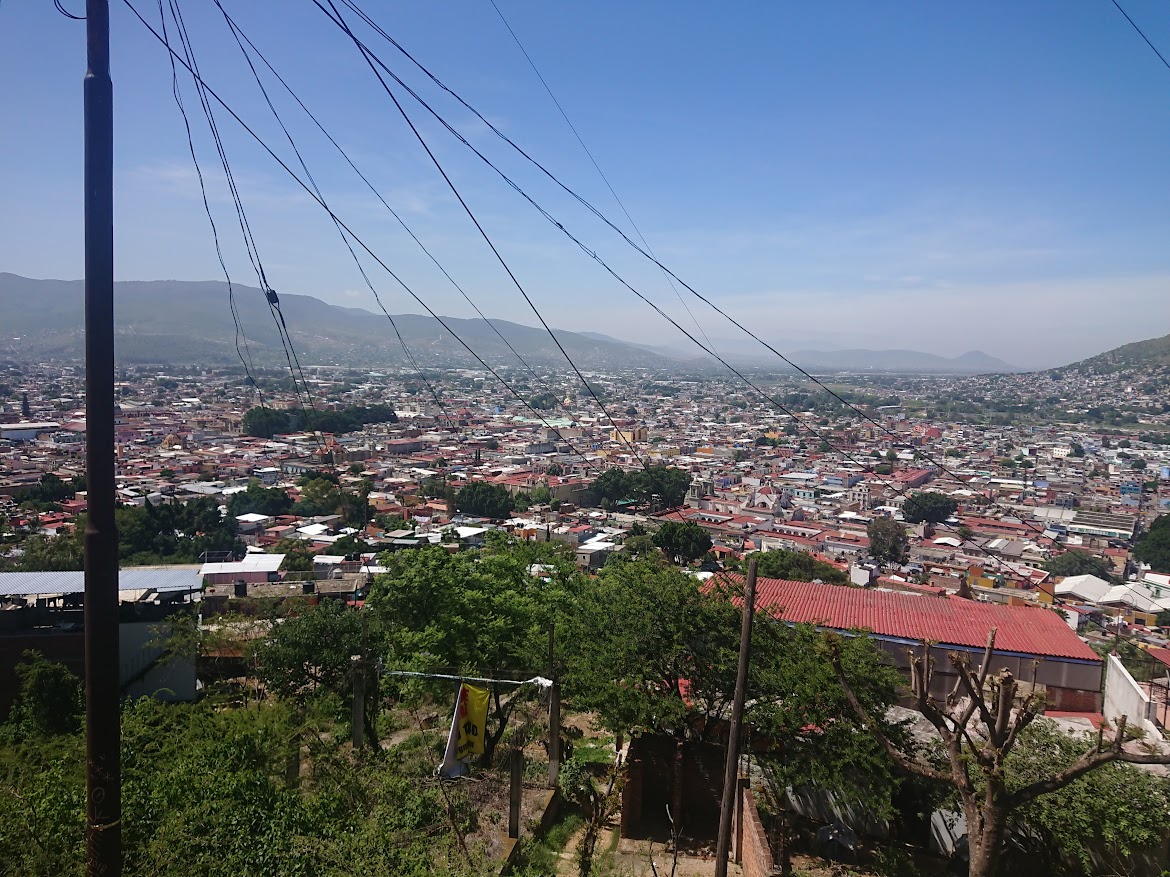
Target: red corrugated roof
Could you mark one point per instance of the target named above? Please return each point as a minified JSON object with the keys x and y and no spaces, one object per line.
{"x":1162,"y":655}
{"x":946,"y":620}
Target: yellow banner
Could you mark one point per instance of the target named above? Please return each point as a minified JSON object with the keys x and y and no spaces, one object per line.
{"x":473,"y":704}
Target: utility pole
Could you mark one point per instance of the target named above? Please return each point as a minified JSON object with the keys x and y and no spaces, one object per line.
{"x":731,"y":769}
{"x":554,"y":715}
{"x":102,"y":728}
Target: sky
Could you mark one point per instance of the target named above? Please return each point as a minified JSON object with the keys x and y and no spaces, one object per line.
{"x":932,"y":176}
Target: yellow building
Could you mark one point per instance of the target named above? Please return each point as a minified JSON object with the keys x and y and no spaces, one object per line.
{"x":636,"y":434}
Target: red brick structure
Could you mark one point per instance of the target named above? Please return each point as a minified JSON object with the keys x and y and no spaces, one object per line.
{"x":756,"y":854}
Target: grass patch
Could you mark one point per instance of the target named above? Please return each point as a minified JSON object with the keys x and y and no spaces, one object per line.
{"x":567,"y":824}
{"x":594,"y":750}
{"x":541,"y":855}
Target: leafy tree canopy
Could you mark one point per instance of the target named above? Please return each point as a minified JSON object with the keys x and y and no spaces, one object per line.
{"x":259,"y":500}
{"x":928,"y":506}
{"x":485,"y":500}
{"x":1153,"y":547}
{"x":888,"y":542}
{"x":684,"y":542}
{"x":49,"y":701}
{"x":795,"y":566}
{"x":669,"y":483}
{"x":1080,"y":563}
{"x":263,"y":422}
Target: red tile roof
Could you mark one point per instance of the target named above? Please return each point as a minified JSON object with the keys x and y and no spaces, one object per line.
{"x":945,"y":620}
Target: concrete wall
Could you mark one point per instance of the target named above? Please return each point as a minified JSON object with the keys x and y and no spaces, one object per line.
{"x":1124,"y":697}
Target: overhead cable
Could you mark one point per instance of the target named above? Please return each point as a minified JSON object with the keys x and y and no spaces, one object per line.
{"x":340,"y":22}
{"x":357,"y":239}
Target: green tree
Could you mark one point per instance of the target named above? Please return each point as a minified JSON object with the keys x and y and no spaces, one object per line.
{"x":298,"y":555}
{"x":796,"y":566}
{"x":1153,"y":546}
{"x":888,"y":541}
{"x":348,"y":545}
{"x":52,"y":553}
{"x":482,"y":613}
{"x":929,"y":506}
{"x":49,"y":701}
{"x":262,"y":422}
{"x":309,"y":655}
{"x":1080,"y":563}
{"x":260,"y":500}
{"x":555,"y":469}
{"x":319,"y":496}
{"x":635,"y":636}
{"x":540,"y":494}
{"x":684,"y":542}
{"x":485,"y":500}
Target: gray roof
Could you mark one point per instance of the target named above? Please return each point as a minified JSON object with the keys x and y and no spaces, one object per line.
{"x":141,"y":578}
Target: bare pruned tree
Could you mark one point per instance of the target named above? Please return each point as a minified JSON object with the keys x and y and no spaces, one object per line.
{"x":980,"y":722}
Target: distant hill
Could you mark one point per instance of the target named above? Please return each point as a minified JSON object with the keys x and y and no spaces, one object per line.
{"x":1153,"y":353}
{"x":184,"y":322}
{"x":972,"y":362}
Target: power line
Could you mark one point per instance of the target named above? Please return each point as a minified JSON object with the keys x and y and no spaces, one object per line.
{"x":317,"y":190}
{"x":466,"y":297}
{"x":1141,"y":33}
{"x":899,"y":491}
{"x":340,"y":22}
{"x":252,"y":248}
{"x":596,"y":166}
{"x":371,"y":55}
{"x":249,"y":366}
{"x":284,"y":166}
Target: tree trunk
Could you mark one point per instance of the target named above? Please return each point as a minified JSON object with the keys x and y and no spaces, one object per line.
{"x":784,"y":836}
{"x":985,"y":840}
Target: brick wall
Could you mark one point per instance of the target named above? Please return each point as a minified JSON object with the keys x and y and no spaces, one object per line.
{"x":756,"y":854}
{"x":1073,"y":700}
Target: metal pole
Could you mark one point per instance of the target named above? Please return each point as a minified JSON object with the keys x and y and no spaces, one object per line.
{"x":102,"y":732}
{"x":731,"y":772}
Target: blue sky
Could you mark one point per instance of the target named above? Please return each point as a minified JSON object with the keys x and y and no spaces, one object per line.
{"x":935,"y":176}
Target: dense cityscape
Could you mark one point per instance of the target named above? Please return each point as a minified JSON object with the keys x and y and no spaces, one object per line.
{"x":376,"y":500}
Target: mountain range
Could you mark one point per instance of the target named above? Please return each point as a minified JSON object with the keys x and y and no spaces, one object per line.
{"x":181,"y":322}
{"x":190,"y":322}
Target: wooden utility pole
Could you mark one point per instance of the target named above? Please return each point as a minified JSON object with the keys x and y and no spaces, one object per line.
{"x":515,"y":792}
{"x":554,"y":715}
{"x":731,"y":769}
{"x":103,"y":776}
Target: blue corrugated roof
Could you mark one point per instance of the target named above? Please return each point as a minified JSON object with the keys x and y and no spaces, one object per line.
{"x":140,"y":578}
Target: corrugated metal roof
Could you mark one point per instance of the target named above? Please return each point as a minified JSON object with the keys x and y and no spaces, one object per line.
{"x":251,"y":563}
{"x":140,"y":578}
{"x":946,"y":620}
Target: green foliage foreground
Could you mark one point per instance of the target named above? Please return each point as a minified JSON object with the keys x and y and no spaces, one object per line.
{"x":206,"y":792}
